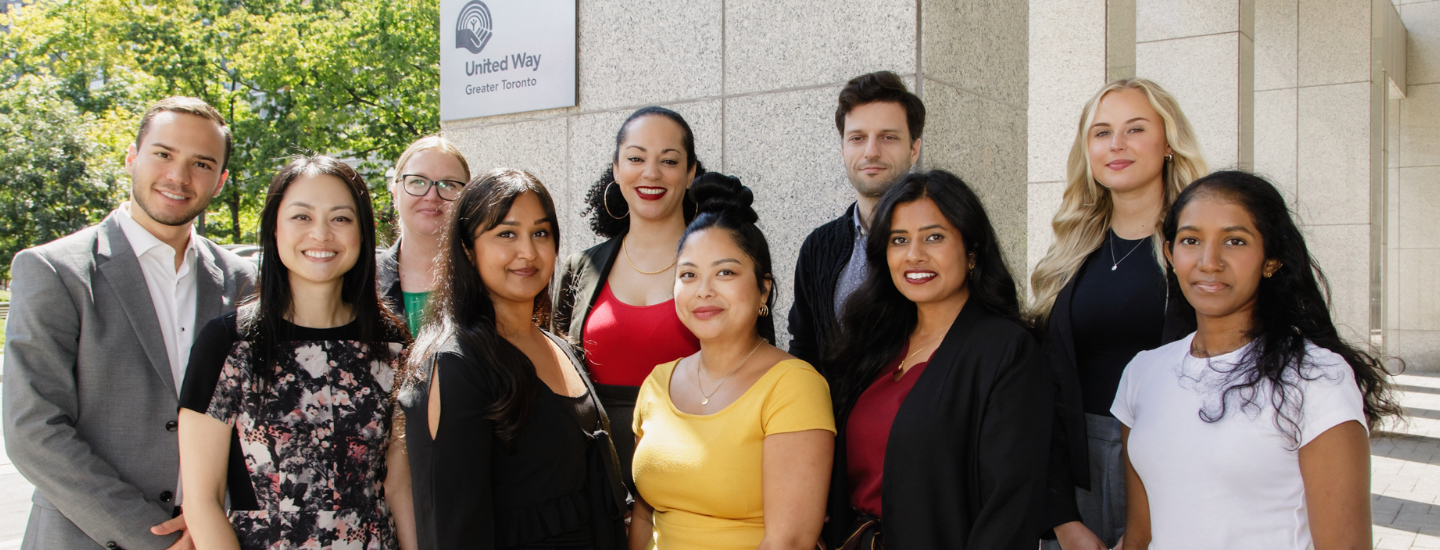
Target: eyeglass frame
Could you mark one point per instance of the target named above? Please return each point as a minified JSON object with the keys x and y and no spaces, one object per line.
{"x":431,"y":184}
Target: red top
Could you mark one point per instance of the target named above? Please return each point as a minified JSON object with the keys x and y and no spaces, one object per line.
{"x":623,"y":343}
{"x":868,"y":431}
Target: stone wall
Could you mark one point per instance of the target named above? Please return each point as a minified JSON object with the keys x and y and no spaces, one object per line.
{"x":758,"y":81}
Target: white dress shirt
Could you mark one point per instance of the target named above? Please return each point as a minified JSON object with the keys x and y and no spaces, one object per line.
{"x":171,"y":290}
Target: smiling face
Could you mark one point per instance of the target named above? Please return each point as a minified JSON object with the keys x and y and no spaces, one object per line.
{"x":876,"y":147}
{"x":175,"y":170}
{"x":926,"y":254}
{"x":516,"y":257}
{"x":425,"y":215}
{"x":1219,"y":257}
{"x":316,"y":231}
{"x":716,"y":294}
{"x":651,"y":168}
{"x":1126,"y":142}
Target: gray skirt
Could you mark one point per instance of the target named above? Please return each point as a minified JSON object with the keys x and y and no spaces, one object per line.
{"x":1102,"y":509}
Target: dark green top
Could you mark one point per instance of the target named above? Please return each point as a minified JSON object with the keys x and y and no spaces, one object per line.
{"x":415,"y":310}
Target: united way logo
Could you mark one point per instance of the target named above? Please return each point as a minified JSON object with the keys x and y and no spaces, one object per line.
{"x":472,"y":30}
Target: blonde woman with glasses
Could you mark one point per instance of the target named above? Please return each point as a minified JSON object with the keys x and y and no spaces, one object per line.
{"x":1100,"y":293}
{"x":428,"y":178}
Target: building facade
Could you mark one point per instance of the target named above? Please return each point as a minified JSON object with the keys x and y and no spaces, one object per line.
{"x":1335,"y":101}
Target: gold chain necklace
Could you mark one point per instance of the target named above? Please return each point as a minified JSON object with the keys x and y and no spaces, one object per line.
{"x":900,"y":370}
{"x":699,"y":369}
{"x":624,"y":247}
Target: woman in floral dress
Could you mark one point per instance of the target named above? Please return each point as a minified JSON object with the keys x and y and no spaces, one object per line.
{"x":287,"y":403}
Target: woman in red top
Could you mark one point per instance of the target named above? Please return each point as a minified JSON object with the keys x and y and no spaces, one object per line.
{"x":616,"y":300}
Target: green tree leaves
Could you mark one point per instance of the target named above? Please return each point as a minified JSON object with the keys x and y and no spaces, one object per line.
{"x":357,"y":79}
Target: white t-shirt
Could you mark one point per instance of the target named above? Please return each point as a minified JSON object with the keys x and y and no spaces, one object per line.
{"x":1235,"y":483}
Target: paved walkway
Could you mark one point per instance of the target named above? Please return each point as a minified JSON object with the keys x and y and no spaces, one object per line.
{"x":1405,"y":478}
{"x":1405,"y":470}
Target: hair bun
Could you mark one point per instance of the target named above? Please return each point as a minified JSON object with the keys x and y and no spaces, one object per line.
{"x":723,"y":195}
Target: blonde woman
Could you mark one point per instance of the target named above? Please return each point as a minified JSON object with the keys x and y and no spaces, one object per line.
{"x":428,"y":178}
{"x":1100,"y":293}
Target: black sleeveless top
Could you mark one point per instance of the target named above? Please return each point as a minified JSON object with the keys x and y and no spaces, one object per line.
{"x":555,"y":486}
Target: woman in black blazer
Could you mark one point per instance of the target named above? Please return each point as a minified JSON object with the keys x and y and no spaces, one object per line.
{"x":941,"y":390}
{"x":1133,"y":153}
{"x":616,"y":300}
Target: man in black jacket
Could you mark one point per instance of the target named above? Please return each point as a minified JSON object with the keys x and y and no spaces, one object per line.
{"x":880,"y":123}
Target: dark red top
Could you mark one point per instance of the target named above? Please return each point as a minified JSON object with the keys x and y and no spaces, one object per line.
{"x":868,"y":431}
{"x":623,"y":343}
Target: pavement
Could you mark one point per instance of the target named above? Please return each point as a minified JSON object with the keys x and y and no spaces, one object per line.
{"x":1404,"y":482}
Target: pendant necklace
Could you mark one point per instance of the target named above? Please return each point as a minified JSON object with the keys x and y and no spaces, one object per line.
{"x":698,"y":369}
{"x":900,"y":370}
{"x":1116,"y":263}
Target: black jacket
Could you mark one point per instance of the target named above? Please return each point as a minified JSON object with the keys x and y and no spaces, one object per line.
{"x":387,"y":279}
{"x":814,"y":323}
{"x":580,"y":283}
{"x":966,"y":461}
{"x":1070,"y":455}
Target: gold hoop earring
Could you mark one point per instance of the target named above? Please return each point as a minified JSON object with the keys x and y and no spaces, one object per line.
{"x":605,"y":199}
{"x":764,"y":311}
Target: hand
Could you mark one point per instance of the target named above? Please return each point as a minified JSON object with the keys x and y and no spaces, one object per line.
{"x":1076,"y":536}
{"x":172,"y":526}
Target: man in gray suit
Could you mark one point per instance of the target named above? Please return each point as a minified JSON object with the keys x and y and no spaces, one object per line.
{"x":100,"y":328}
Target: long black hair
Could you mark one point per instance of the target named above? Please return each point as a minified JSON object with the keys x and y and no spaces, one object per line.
{"x":615,"y":222}
{"x":724,"y":203}
{"x":461,"y":307}
{"x":1291,"y":308}
{"x":259,"y":320}
{"x":878,"y":319}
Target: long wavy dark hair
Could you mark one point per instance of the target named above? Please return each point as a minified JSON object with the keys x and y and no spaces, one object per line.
{"x":1292,"y":307}
{"x":601,"y":220}
{"x":258,"y":321}
{"x":461,"y":308}
{"x":878,"y":319}
{"x":724,"y":203}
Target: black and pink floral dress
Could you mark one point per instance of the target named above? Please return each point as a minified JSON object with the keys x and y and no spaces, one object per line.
{"x":307,"y":455}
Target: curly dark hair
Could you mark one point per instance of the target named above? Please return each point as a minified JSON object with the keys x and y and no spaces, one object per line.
{"x":1291,"y":309}
{"x":878,"y":319}
{"x":609,"y":226}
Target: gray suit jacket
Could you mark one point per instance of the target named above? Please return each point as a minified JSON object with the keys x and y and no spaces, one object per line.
{"x":90,"y":404}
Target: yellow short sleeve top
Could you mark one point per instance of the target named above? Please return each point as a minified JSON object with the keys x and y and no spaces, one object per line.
{"x":701,"y":473}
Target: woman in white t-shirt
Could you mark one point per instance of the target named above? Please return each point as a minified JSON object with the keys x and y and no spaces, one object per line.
{"x":1253,"y":431}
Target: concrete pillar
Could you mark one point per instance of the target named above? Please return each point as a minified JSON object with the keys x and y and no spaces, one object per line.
{"x":1068,"y":64}
{"x":1203,"y":52}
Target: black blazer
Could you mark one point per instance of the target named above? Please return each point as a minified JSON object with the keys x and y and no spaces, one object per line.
{"x":387,"y":279}
{"x":1070,"y":455}
{"x":580,"y":283}
{"x":966,"y":461}
{"x":814,"y":323}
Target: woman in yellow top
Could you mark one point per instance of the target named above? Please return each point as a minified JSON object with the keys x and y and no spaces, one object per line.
{"x":734,"y":443}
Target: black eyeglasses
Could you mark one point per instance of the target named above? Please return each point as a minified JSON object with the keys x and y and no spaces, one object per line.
{"x":418,"y":185}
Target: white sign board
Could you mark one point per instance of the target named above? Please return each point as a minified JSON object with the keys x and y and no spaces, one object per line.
{"x":505,"y":56}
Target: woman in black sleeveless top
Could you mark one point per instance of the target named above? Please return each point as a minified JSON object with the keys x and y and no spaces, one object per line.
{"x":508,"y":445}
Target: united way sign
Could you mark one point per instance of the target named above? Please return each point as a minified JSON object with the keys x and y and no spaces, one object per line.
{"x":505,"y":56}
